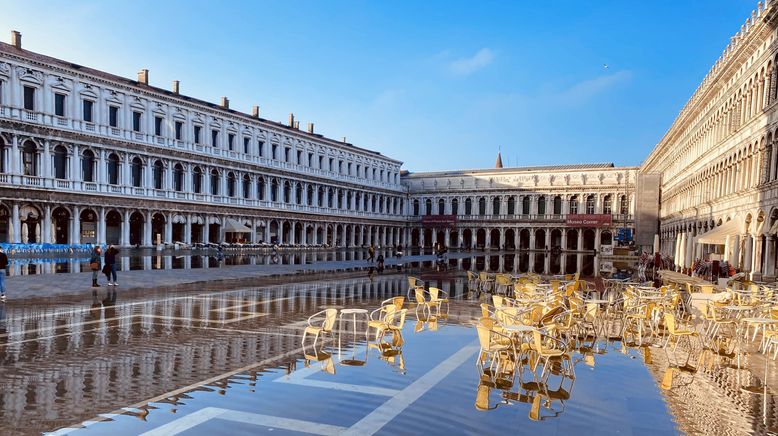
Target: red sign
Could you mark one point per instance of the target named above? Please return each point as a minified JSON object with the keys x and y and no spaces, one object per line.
{"x":439,"y":220}
{"x":589,"y":220}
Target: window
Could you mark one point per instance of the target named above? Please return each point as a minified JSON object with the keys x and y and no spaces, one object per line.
{"x":481,"y":205}
{"x":29,"y":98}
{"x":59,"y":105}
{"x":137,"y":172}
{"x":349,"y":169}
{"x":274,"y":190}
{"x":261,"y":188}
{"x":525,"y":206}
{"x":88,"y":106}
{"x":542,"y":206}
{"x":574,"y":205}
{"x":158,"y":126}
{"x":246,"y":186}
{"x":196,"y":132}
{"x":299,"y":160}
{"x":310,"y":160}
{"x":158,"y":173}
{"x":113,"y":116}
{"x":623,"y":206}
{"x":441,"y":207}
{"x":88,"y":166}
{"x":113,"y":169}
{"x":454,"y":206}
{"x":590,"y":204}
{"x":298,"y":194}
{"x":274,"y":154}
{"x":496,"y":206}
{"x":416,"y":207}
{"x":332,"y":164}
{"x":197,"y":180}
{"x":60,"y":162}
{"x":136,"y":121}
{"x":607,"y":207}
{"x":246,"y":143}
{"x":214,"y":138}
{"x":260,"y":148}
{"x":287,"y":192}
{"x":468,"y":207}
{"x":321,"y":162}
{"x":231,"y":184}
{"x":230,"y":141}
{"x":178,"y":177}
{"x":340,"y":167}
{"x":557,"y":205}
{"x":511,"y":205}
{"x":30,"y":159}
{"x":214,"y":182}
{"x":286,"y":154}
{"x":179,"y":126}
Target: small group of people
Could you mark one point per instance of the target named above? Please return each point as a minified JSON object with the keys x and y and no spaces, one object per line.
{"x":108,"y":266}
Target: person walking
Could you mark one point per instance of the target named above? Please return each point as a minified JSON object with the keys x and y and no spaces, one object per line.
{"x":110,"y":265}
{"x":3,"y":268}
{"x":370,"y":253}
{"x":94,"y":264}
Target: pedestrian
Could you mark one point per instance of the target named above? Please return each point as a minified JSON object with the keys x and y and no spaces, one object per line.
{"x":371,"y":253}
{"x":94,"y":264}
{"x":399,"y":251}
{"x":3,"y":268}
{"x":110,"y":265}
{"x":380,"y":262}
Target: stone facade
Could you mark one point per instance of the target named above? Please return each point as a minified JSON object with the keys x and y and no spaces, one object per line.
{"x":718,"y":160}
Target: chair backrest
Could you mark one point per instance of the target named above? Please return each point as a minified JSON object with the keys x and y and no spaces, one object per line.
{"x":329,"y":319}
{"x":471,"y":275}
{"x":401,"y":323}
{"x":670,"y":322}
{"x":497,"y":300}
{"x":551,"y":314}
{"x":485,"y":312}
{"x":484,"y":336}
{"x":487,"y":322}
{"x":398,"y":302}
{"x":482,"y":397}
{"x":419,"y":293}
{"x":434,"y":292}
{"x":389,"y":313}
{"x":482,"y":275}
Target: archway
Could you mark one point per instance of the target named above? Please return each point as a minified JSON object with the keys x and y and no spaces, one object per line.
{"x":480,"y":238}
{"x":494,"y":239}
{"x":606,"y":238}
{"x":196,"y":229}
{"x":214,"y":231}
{"x":453,"y":238}
{"x":88,"y":226}
{"x":510,"y":239}
{"x":5,"y":214}
{"x":415,"y":238}
{"x":158,"y":229}
{"x":136,"y":228}
{"x":179,"y":229}
{"x":540,"y":239}
{"x":298,"y":233}
{"x":320,"y":234}
{"x":30,"y":224}
{"x":588,"y":239}
{"x":428,"y":237}
{"x":60,"y":223}
{"x":440,"y":237}
{"x":556,"y":238}
{"x":286,"y":232}
{"x":524,"y":239}
{"x":113,"y":227}
{"x":572,"y":239}
{"x":467,"y":238}
{"x":274,"y":236}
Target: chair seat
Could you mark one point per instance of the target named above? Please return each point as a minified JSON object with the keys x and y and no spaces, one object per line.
{"x":312,"y":329}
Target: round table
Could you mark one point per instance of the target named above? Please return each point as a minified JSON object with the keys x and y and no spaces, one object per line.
{"x":353,"y":313}
{"x":757,"y":322}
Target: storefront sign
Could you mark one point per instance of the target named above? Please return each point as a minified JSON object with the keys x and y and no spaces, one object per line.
{"x":436,"y":221}
{"x":589,"y":220}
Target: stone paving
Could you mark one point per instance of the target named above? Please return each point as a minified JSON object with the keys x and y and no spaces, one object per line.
{"x":57,"y":285}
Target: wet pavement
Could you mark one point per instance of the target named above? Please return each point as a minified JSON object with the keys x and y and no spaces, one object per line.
{"x":226,"y":357}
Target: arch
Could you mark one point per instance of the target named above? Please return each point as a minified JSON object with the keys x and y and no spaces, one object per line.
{"x":468,"y":206}
{"x":30,"y":153}
{"x":158,"y":172}
{"x":88,"y":230}
{"x":60,"y":220}
{"x":137,"y":222}
{"x":113,"y":169}
{"x":60,"y":161}
{"x":231,"y":184}
{"x":178,"y":177}
{"x":246,"y":186}
{"x":158,"y":221}
{"x":136,"y":171}
{"x":215,"y":178}
{"x":542,"y":205}
{"x":113,"y":227}
{"x":88,"y":166}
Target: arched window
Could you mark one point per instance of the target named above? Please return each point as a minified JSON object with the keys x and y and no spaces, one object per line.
{"x":590,"y":204}
{"x":298,"y":194}
{"x":246,"y":186}
{"x":574,"y":204}
{"x":274,"y":190}
{"x":557,"y":205}
{"x":88,"y":166}
{"x":113,"y":169}
{"x":287,"y":192}
{"x":309,"y":196}
{"x":178,"y":177}
{"x":215,"y":182}
{"x":441,"y":207}
{"x":482,"y":206}
{"x":542,"y":205}
{"x":158,"y":173}
{"x":607,"y":207}
{"x":137,"y":172}
{"x":60,"y":162}
{"x":416,"y":207}
{"x":261,"y":188}
{"x":230,"y":184}
{"x":496,"y":205}
{"x":624,"y":209}
{"x":320,"y":199}
{"x":330,"y":195}
{"x":30,"y":159}
{"x":455,"y":207}
{"x":525,"y":205}
{"x":511,"y":205}
{"x":197,"y":180}
{"x":468,"y":206}
{"x":3,"y":164}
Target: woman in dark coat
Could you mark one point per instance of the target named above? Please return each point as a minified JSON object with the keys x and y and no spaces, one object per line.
{"x":110,"y":265}
{"x":94,"y":264}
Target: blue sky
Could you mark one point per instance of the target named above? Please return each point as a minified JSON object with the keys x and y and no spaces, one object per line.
{"x":436,"y":84}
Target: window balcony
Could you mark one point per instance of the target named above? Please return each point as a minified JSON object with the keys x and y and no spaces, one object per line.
{"x":89,"y":127}
{"x":62,"y":184}
{"x":62,"y":122}
{"x":30,"y":116}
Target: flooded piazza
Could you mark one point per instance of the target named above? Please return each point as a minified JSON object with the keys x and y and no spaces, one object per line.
{"x":215,"y":359}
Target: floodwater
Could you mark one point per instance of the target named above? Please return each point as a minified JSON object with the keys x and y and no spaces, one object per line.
{"x":231,"y":361}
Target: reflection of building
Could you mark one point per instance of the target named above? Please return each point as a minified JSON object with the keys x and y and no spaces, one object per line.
{"x":97,"y":157}
{"x":718,"y":160}
{"x":528,"y":208}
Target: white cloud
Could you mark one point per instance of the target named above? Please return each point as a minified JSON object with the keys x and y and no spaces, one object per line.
{"x":469,"y":65}
{"x":587,"y":89}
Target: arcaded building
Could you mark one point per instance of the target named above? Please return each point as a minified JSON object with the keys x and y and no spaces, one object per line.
{"x":90,"y":157}
{"x":566,"y":207}
{"x":717,"y":162}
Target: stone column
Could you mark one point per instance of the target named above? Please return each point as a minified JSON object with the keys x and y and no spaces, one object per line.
{"x":548,"y":243}
{"x":531,"y":237}
{"x":76,"y":233}
{"x":769,"y":254}
{"x":757,"y":255}
{"x":579,"y":247}
{"x":579,"y":262}
{"x":564,"y":240}
{"x":748,"y":255}
{"x":101,"y":225}
{"x":168,"y":236}
{"x":188,"y":230}
{"x":147,"y":235}
{"x":502,"y":238}
{"x":125,"y":241}
{"x":47,"y":239}
{"x":597,"y":239}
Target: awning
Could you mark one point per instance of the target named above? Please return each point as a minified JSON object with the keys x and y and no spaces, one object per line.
{"x":718,"y":236}
{"x":232,"y":226}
